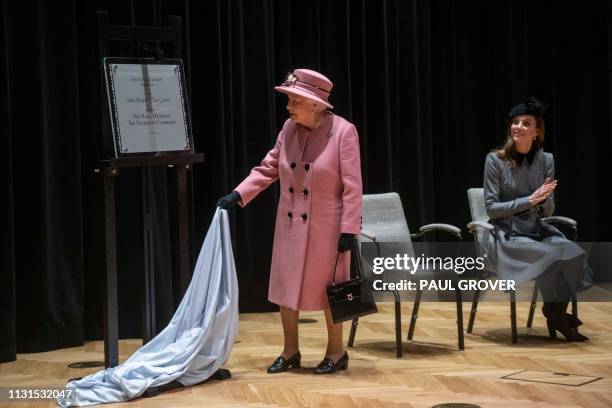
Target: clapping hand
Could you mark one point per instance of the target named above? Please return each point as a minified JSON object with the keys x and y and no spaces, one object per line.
{"x":543,"y":192}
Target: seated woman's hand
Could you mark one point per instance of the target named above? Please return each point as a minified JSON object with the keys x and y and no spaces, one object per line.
{"x":543,"y":192}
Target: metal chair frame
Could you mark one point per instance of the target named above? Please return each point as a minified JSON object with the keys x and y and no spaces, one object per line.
{"x":453,"y":231}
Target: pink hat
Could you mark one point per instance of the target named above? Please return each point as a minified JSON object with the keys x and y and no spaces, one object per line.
{"x":307,"y":83}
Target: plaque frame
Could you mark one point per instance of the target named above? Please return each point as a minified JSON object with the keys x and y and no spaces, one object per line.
{"x":114,"y":147}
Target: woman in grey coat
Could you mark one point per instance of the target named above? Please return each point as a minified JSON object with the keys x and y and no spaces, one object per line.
{"x":519,"y":186}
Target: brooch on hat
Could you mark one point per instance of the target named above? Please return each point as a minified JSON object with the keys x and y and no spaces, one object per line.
{"x":290,"y":80}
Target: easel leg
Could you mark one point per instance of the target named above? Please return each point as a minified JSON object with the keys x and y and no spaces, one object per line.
{"x":111,"y":330}
{"x":149,"y":263}
{"x":183,"y":222}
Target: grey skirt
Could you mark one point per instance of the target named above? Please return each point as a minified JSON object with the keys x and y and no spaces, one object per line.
{"x":549,"y":257}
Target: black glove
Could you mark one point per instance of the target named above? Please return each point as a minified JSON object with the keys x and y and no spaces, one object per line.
{"x":229,"y":201}
{"x":346,"y":242}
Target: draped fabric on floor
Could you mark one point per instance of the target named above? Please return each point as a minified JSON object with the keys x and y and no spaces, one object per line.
{"x":198,"y":339}
{"x":428,"y":84}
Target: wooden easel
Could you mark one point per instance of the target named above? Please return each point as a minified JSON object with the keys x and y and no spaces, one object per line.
{"x":182,"y":162}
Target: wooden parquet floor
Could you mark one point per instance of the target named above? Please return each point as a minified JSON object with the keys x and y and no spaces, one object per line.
{"x":432,"y":370}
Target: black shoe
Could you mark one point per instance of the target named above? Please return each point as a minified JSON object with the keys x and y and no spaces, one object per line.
{"x":560,"y":323}
{"x":549,"y":309}
{"x":570,"y":333}
{"x":573,"y":320}
{"x":327,"y":366}
{"x":282,"y":364}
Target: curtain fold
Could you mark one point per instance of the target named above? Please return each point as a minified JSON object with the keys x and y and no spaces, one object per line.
{"x":7,"y":232}
{"x":428,"y":85}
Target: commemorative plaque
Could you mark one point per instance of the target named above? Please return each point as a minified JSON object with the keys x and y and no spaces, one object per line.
{"x":147,"y":105}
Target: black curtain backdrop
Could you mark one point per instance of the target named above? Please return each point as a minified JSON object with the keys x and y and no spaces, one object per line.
{"x":427,"y":83}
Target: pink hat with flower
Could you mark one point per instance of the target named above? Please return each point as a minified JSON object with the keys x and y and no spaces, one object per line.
{"x":309,"y":84}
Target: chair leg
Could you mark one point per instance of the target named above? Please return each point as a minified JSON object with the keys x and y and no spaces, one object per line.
{"x":534,"y":304}
{"x":473,"y":311}
{"x":574,"y":307}
{"x":354,"y":325}
{"x":398,"y":324}
{"x":459,"y":318}
{"x":513,"y":316}
{"x":415,"y":313}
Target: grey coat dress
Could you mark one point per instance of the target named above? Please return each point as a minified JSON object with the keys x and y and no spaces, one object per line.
{"x":524,"y":247}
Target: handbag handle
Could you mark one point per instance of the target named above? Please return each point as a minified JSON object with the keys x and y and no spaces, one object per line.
{"x":358,"y":259}
{"x":336,"y":267}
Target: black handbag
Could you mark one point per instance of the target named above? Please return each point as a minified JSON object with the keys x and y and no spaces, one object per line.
{"x":345,"y":299}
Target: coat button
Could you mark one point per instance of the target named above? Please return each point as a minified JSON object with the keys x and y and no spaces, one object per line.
{"x":293,"y":165}
{"x":289,"y":214}
{"x":291,"y":189}
{"x":307,"y":166}
{"x":305,"y":191}
{"x":304,"y":217}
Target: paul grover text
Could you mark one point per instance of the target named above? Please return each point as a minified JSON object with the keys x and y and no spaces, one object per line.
{"x":445,"y":284}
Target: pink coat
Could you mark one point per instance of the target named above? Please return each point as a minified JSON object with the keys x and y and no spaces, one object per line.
{"x":320,"y":181}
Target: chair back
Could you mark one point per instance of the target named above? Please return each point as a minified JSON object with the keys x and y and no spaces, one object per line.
{"x":383,"y":215}
{"x":477,"y":204}
{"x":478,"y":211}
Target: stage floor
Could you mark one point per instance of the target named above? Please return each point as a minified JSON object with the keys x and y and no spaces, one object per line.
{"x":432,"y":370}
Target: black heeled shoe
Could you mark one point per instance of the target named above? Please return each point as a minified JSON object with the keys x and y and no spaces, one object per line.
{"x":282,"y":364}
{"x":558,"y":319}
{"x":327,"y":366}
{"x":561,"y":325}
{"x":573,"y":320}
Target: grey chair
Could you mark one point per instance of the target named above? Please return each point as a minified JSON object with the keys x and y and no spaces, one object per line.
{"x":383,"y":220}
{"x":482,"y":230}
